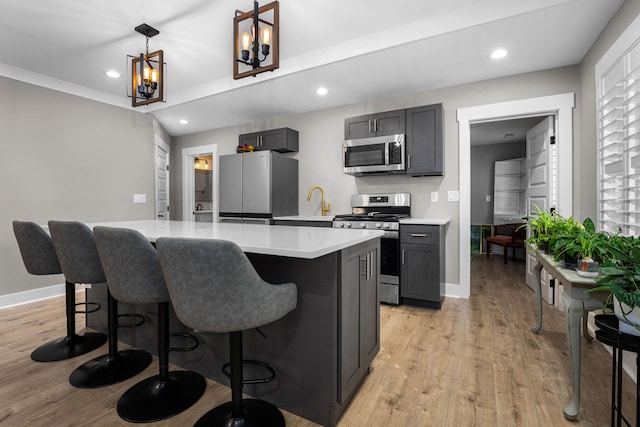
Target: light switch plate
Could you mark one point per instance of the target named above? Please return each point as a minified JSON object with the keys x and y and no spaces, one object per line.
{"x":139,"y":198}
{"x":488,"y":197}
{"x":453,"y":196}
{"x":434,"y":196}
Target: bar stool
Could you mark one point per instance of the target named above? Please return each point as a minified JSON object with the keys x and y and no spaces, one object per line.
{"x":76,"y":249}
{"x":214,"y":288}
{"x":134,"y":276}
{"x":39,"y":257}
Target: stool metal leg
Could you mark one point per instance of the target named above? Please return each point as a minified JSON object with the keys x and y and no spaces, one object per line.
{"x":114,"y":367}
{"x":71,"y":345}
{"x":241,"y":412}
{"x":166,"y":394}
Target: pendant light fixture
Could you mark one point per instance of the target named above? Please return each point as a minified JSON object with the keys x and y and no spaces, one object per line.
{"x":256,"y":40}
{"x":147,"y":72}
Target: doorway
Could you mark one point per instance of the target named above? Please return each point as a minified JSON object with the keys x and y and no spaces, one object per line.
{"x":200,"y":183}
{"x":513,"y":165}
{"x":559,"y":105}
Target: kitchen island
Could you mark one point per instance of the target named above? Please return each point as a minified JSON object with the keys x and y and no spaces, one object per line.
{"x":321,"y":351}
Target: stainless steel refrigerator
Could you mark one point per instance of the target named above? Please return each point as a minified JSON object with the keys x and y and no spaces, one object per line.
{"x":255,"y":187}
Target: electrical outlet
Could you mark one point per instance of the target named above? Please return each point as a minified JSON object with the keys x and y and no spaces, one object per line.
{"x":434,"y":196}
{"x":453,"y":196}
{"x":139,"y":198}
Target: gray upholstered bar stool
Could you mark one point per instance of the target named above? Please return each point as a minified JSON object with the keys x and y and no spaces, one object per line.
{"x":214,"y":288}
{"x":39,"y":257}
{"x":78,"y":255}
{"x":134,"y":276}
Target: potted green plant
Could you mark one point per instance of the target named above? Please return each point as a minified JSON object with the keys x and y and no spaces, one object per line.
{"x":621,"y":277}
{"x":542,"y":225}
{"x":583,"y":245}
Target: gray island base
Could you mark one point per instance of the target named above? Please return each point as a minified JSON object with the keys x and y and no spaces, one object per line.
{"x":321,"y":351}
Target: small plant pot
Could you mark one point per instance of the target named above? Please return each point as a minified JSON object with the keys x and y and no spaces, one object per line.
{"x":629,"y":320}
{"x":587,"y":268}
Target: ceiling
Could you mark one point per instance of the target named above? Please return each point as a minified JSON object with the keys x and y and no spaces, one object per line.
{"x":502,"y":131}
{"x":360,"y":50}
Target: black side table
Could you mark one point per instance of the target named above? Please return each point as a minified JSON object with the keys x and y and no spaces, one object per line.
{"x":609,"y":334}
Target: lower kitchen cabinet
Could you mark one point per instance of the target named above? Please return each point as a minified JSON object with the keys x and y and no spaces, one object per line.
{"x":359,"y":330}
{"x":422,"y":269}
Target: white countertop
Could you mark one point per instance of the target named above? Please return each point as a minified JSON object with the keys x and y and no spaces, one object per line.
{"x":426,"y":221}
{"x":280,"y":240}
{"x":327,"y":218}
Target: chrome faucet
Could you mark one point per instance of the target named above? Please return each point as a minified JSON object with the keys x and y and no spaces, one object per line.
{"x":323,"y":208}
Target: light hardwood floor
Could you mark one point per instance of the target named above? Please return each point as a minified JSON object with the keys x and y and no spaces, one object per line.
{"x":473,"y":363}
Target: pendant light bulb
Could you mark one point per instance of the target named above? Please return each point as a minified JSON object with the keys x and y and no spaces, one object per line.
{"x":266,"y":35}
{"x":246,"y":41}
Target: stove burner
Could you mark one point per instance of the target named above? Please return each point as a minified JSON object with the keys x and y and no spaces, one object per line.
{"x":372,"y":216}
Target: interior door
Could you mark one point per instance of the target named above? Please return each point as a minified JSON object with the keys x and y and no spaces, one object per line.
{"x":162,"y":180}
{"x":540,"y":169}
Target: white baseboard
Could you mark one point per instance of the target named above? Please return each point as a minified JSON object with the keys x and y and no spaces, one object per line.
{"x":33,"y":295}
{"x":453,"y":290}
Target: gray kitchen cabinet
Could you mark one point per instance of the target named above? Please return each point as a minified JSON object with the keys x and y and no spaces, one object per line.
{"x":379,"y":124}
{"x":422,"y":269}
{"x":424,"y":141}
{"x":359,"y":327}
{"x":282,"y":140}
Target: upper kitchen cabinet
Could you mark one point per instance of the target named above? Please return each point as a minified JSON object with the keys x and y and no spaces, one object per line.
{"x":379,"y":124}
{"x":424,"y":141}
{"x":283,"y":140}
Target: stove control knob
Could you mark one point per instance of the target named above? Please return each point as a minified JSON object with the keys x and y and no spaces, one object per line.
{"x":378,"y":225}
{"x":363,"y":225}
{"x":386,"y":225}
{"x":348,"y":225}
{"x":339,"y":225}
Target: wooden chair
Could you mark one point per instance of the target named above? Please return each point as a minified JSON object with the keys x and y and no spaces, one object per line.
{"x":507,"y":236}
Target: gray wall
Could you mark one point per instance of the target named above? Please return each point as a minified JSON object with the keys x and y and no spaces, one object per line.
{"x":322,"y":132}
{"x":482,"y":170}
{"x":66,"y":157}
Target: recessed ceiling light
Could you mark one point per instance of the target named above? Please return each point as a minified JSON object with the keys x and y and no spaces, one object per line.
{"x":184,"y":121}
{"x":113,"y":74}
{"x":498,"y":53}
{"x":322,"y":91}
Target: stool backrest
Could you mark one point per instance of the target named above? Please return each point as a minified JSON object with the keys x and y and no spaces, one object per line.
{"x":131,"y":265}
{"x":36,"y":248}
{"x":76,"y":249}
{"x":214,"y":287}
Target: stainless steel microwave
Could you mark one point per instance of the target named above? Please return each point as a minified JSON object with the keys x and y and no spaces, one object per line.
{"x":377,"y":155}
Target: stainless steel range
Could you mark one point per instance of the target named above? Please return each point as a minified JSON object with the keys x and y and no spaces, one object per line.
{"x":382,"y":212}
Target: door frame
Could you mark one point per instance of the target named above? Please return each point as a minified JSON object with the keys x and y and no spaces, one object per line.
{"x":559,"y":105}
{"x":188,"y":179}
{"x":160,"y":143}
